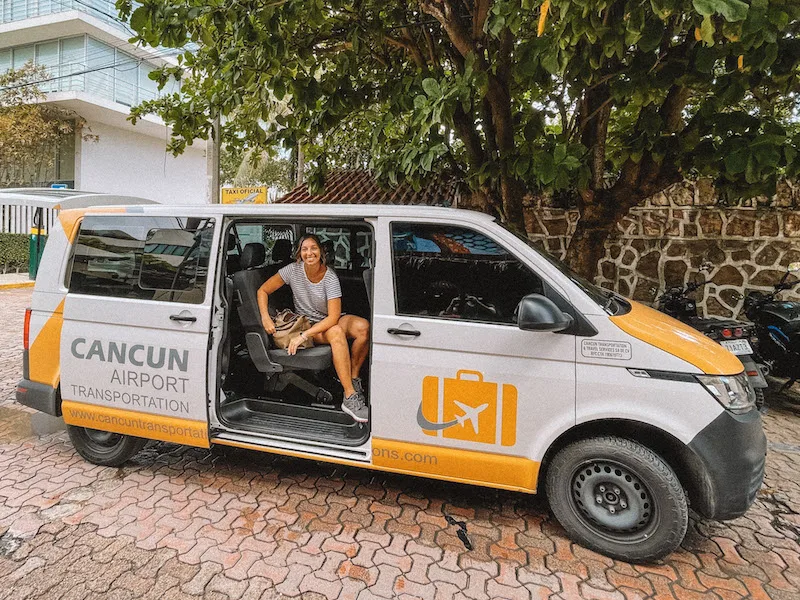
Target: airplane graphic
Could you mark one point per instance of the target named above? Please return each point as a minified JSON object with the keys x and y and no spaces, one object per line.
{"x":470,"y":414}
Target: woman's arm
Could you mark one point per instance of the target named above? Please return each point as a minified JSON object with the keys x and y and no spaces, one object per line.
{"x":334,"y":313}
{"x":270,"y":286}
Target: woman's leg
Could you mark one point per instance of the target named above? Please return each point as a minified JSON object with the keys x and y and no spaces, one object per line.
{"x":357,"y":329}
{"x":335,"y":337}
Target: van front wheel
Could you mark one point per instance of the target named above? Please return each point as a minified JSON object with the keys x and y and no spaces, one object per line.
{"x":618,"y":498}
{"x":103,"y":447}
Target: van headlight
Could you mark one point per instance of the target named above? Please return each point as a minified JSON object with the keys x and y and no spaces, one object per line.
{"x":734,"y":392}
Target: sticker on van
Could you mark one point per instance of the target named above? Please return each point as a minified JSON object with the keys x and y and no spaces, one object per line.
{"x":470,"y":409}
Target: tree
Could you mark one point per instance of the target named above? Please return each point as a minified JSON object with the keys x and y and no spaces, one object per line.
{"x":616,"y":99}
{"x":29,"y":130}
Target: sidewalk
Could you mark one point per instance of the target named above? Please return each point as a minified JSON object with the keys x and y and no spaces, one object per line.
{"x":15,"y":280}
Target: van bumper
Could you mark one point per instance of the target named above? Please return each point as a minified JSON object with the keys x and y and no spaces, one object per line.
{"x":40,"y":396}
{"x":732,"y":450}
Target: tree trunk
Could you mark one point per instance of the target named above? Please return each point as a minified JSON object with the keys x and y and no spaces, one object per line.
{"x":511,"y":195}
{"x":600,"y":214}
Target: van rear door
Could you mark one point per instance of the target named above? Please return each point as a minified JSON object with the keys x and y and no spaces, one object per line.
{"x":134,"y":342}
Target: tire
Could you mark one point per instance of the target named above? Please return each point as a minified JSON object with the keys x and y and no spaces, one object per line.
{"x":759,"y":398}
{"x":102,"y":447}
{"x":642,"y":514}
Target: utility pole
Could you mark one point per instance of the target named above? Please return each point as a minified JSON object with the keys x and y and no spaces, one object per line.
{"x":212,"y":162}
{"x":300,"y":165}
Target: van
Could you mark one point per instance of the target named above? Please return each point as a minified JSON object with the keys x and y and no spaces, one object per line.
{"x":490,"y":363}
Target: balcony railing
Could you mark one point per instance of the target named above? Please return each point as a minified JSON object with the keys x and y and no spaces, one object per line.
{"x":104,"y":10}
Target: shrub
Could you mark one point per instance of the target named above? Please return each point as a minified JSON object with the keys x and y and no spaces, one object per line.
{"x":14,"y":251}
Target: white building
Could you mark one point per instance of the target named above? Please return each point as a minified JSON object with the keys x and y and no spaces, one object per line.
{"x":96,"y":73}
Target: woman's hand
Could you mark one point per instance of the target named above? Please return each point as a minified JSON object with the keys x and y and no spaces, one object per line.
{"x":269,"y":325}
{"x":295,"y":343}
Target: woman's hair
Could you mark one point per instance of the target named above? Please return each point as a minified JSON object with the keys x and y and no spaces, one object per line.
{"x":323,"y":257}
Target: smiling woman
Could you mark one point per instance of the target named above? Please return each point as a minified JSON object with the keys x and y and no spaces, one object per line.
{"x":318,"y":295}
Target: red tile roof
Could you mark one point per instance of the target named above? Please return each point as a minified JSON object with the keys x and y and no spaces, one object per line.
{"x":359,"y":187}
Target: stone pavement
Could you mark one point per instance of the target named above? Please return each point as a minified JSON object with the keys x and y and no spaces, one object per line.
{"x":181,"y":523}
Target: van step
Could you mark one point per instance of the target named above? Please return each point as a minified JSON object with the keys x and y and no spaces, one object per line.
{"x":311,"y":423}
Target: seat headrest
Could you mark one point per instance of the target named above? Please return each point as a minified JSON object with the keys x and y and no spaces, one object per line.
{"x":253,"y":255}
{"x":282,"y":251}
{"x":330,"y":252}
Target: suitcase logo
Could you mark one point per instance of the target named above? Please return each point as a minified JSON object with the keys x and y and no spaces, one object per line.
{"x":470,"y":409}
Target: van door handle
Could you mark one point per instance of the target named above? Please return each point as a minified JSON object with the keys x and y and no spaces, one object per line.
{"x":187,"y":318}
{"x":395,"y":331}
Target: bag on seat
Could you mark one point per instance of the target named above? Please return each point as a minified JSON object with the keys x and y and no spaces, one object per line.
{"x":288,"y":325}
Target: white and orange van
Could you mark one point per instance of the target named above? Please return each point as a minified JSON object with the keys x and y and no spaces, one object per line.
{"x":490,"y":363}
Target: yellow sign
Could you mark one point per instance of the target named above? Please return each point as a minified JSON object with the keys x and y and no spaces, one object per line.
{"x":470,"y":409}
{"x":245,"y":195}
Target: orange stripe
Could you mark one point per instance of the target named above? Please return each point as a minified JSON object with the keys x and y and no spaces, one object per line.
{"x":69,"y":222}
{"x":137,"y":424}
{"x":512,"y":466}
{"x":45,"y":352}
{"x":452,"y":464}
{"x":670,"y":335}
{"x":69,"y":219}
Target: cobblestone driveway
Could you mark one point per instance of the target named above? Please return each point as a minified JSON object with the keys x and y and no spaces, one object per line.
{"x":188,"y":523}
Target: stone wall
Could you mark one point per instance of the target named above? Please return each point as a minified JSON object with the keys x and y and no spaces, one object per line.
{"x":664,"y":241}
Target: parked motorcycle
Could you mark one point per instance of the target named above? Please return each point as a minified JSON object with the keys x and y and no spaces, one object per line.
{"x":777,"y":324}
{"x":734,"y":336}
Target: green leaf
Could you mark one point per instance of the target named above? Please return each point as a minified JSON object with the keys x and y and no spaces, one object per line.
{"x":731,"y":10}
{"x":139,"y":18}
{"x":736,"y":162}
{"x":707,"y":30}
{"x":431,"y":87}
{"x":652,"y":35}
{"x":560,"y":153}
{"x":550,"y":60}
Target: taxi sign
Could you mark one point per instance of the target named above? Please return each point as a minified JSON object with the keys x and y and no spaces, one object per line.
{"x":244,"y":195}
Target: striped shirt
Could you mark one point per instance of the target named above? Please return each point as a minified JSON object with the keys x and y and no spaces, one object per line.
{"x":311,"y":299}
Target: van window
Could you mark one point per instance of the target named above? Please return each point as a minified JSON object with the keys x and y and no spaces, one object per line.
{"x":456,"y":273}
{"x":349,"y":249}
{"x":149,"y":258}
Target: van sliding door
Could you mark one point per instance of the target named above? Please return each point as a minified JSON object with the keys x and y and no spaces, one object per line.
{"x":136,"y":327}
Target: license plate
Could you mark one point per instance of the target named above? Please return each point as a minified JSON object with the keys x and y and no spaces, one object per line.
{"x":737,"y":346}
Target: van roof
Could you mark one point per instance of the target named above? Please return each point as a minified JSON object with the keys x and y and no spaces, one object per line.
{"x":316,"y":210}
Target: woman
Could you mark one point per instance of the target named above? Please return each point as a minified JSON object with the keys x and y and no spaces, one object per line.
{"x":318,"y":295}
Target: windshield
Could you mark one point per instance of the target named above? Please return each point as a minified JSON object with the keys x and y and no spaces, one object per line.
{"x":609,"y":300}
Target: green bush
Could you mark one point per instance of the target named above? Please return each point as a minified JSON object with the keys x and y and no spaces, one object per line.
{"x":14,"y":249}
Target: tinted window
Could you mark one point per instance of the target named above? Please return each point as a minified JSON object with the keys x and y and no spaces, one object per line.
{"x":278,"y":242}
{"x":348,"y":248}
{"x":150,"y":258}
{"x":457,"y":273}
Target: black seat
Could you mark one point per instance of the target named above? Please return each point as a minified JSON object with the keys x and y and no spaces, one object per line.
{"x":276,"y":363}
{"x":281,"y":256}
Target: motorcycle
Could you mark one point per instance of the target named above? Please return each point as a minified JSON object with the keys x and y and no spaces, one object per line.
{"x":777,"y":324}
{"x":735,"y":336}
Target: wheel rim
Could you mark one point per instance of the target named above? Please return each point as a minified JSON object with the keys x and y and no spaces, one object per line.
{"x":613,"y":501}
{"x":103,"y":439}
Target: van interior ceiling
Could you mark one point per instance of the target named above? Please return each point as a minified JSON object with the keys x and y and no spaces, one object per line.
{"x":264,"y":390}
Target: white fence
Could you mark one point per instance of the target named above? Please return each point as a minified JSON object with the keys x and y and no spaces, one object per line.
{"x":20,"y":219}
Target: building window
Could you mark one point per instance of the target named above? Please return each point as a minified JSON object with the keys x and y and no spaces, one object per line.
{"x":84,"y":64}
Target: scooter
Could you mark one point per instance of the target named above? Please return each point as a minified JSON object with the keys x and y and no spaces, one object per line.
{"x":777,"y":325}
{"x":734,"y":336}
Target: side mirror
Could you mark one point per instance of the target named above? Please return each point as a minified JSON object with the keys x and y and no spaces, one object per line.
{"x":537,"y":313}
{"x":793,"y":267}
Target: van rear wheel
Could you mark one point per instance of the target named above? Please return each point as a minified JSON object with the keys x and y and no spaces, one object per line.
{"x":618,"y":498}
{"x":103,"y":447}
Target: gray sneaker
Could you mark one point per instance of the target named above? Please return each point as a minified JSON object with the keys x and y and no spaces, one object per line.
{"x":358,"y":385}
{"x":355,"y":406}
